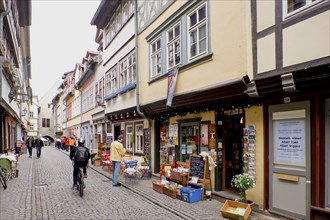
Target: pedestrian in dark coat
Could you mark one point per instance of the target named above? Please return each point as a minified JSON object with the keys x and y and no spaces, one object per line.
{"x":30,"y":145}
{"x":38,"y":144}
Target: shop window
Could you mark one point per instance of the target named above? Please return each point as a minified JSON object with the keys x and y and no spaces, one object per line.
{"x":129,"y":138}
{"x":138,"y":148}
{"x":295,"y":6}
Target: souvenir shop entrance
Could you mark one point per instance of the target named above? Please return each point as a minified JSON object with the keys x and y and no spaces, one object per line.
{"x":230,"y":150}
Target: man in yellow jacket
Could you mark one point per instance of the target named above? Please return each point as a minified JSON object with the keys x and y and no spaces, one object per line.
{"x":117,"y":151}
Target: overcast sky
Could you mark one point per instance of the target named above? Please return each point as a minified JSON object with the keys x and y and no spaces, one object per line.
{"x":61,"y":34}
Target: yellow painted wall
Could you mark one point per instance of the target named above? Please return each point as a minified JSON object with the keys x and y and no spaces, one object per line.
{"x":307,"y":40}
{"x":254,"y":115}
{"x":266,"y":14}
{"x":228,"y":44}
{"x":266,"y":53}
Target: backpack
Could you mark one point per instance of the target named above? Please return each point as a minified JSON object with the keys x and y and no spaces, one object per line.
{"x":81,"y":154}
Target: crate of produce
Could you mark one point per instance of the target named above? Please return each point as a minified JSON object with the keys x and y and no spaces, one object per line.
{"x":191,"y":194}
{"x":157,"y":187}
{"x":170,"y":192}
{"x":236,"y":210}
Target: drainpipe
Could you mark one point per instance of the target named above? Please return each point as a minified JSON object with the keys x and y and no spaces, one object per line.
{"x":137,"y":78}
{"x":2,"y":15}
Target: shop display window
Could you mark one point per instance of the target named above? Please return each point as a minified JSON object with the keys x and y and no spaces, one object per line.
{"x":189,"y":141}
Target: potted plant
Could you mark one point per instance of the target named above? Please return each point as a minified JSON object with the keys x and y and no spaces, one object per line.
{"x":97,"y":160}
{"x":242,"y":182}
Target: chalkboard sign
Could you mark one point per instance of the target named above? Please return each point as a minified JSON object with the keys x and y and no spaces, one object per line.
{"x":197,"y":165}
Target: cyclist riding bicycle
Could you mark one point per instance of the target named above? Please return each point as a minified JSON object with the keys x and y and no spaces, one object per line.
{"x":80,"y":155}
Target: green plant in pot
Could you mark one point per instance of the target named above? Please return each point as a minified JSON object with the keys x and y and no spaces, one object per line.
{"x":242,"y":182}
{"x":96,"y":157}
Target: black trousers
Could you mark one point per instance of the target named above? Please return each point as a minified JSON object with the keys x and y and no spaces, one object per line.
{"x":76,"y":169}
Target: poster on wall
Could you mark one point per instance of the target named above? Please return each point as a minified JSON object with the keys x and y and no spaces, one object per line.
{"x":205,"y":135}
{"x":212,"y":135}
{"x":289,"y":142}
{"x":173,"y":134}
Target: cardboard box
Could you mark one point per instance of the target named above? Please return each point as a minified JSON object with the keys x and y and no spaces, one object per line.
{"x":236,"y":210}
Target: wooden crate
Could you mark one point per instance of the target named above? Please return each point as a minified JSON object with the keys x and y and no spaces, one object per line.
{"x":170,"y":192}
{"x":236,"y":210}
{"x":157,"y":187}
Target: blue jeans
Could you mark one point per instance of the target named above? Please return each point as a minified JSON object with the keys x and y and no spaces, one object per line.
{"x":38,"y":149}
{"x":115,"y":171}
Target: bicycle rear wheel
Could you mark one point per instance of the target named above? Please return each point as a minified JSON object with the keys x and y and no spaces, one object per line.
{"x":81,"y":184}
{"x":3,"y":179}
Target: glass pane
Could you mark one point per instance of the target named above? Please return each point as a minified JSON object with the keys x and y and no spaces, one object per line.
{"x":193,"y":50}
{"x":202,"y":45}
{"x":202,"y":13}
{"x":158,"y":44}
{"x":170,"y":35}
{"x":170,"y":55}
{"x":177,"y":31}
{"x":295,"y":4}
{"x":193,"y":37}
{"x":193,"y":19}
{"x":202,"y":32}
{"x":177,"y":52}
{"x":153,"y":47}
{"x":159,"y":67}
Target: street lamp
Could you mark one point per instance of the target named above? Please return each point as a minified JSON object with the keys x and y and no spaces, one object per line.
{"x":99,"y":101}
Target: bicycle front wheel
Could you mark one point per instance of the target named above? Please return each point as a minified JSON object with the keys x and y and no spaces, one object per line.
{"x":3,"y":179}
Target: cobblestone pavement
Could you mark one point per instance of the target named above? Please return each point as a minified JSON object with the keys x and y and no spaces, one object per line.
{"x":42,"y":190}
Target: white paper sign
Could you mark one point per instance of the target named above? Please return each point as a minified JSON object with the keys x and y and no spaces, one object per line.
{"x":289,"y":142}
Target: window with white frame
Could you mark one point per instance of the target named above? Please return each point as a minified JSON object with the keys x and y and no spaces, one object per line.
{"x":138,"y":148}
{"x":197,"y":33}
{"x":174,"y":46}
{"x":127,"y":70}
{"x":111,"y":81}
{"x":156,"y":64}
{"x":31,"y":127}
{"x":31,"y":114}
{"x":99,"y":87}
{"x":87,"y":100}
{"x":125,"y":11}
{"x":107,"y":35}
{"x":131,"y":7}
{"x":293,"y":6}
{"x":118,"y":19}
{"x":45,"y":123}
{"x":129,"y":138}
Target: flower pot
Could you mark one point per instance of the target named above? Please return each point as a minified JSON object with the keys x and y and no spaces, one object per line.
{"x":97,"y":162}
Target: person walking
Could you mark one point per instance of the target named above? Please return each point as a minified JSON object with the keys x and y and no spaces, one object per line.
{"x":38,"y":144}
{"x":58,"y":143}
{"x":30,"y":145}
{"x":117,"y":151}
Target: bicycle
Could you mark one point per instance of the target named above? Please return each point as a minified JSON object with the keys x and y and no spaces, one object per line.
{"x":81,"y":184}
{"x":3,"y":178}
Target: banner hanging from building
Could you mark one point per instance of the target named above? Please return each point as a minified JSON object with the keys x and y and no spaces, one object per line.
{"x":172,"y":77}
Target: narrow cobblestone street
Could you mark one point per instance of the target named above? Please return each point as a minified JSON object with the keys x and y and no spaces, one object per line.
{"x":43,"y":191}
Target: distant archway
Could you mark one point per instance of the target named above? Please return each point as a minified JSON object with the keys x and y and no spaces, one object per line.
{"x":49,"y":138}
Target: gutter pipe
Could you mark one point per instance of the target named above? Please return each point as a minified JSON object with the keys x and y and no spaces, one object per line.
{"x":137,"y":79}
{"x":2,"y":15}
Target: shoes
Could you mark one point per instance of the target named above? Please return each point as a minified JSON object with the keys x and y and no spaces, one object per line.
{"x":74,"y":187}
{"x":118,"y":184}
{"x":30,"y":156}
{"x":85,"y":175}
